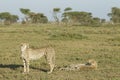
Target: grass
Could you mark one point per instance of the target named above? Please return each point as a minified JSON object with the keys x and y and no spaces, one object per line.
{"x":75,"y":44}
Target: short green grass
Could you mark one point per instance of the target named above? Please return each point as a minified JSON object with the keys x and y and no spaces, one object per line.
{"x":74,"y":44}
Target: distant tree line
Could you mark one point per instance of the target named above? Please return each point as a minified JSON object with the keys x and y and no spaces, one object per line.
{"x":68,"y":17}
{"x":80,"y":18}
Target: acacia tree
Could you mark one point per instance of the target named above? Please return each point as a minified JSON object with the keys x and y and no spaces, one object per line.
{"x":55,"y":12}
{"x":33,"y":17}
{"x":26,"y":12}
{"x":115,"y":15}
{"x":14,"y":18}
{"x":65,"y":15}
{"x":38,"y":18}
{"x":96,"y":21}
{"x":8,"y":18}
{"x":67,"y":9}
{"x":82,"y":18}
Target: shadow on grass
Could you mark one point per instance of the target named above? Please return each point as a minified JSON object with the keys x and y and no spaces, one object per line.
{"x":41,"y":69}
{"x":15,"y":66}
{"x":11,"y":66}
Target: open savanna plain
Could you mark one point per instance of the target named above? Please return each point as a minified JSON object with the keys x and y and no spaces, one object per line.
{"x":74,"y":44}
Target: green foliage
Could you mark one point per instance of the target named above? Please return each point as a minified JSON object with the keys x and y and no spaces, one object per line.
{"x":25,"y":11}
{"x":33,"y":17}
{"x":115,"y":15}
{"x":95,"y":22}
{"x":66,"y":36}
{"x":37,"y":18}
{"x":8,"y":18}
{"x":67,"y":9}
{"x":56,"y":10}
{"x":81,"y":18}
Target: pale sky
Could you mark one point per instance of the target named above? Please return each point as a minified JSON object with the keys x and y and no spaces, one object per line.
{"x":99,"y":8}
